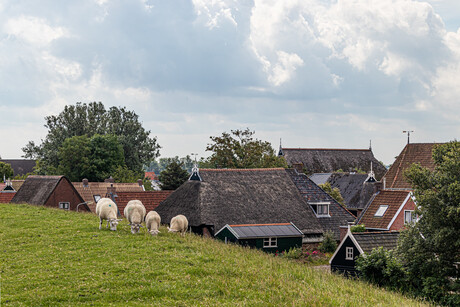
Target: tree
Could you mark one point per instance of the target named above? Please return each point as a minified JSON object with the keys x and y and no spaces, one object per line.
{"x":123,"y":174}
{"x":6,"y":171}
{"x":94,"y":158}
{"x":239,"y":149}
{"x":173,"y":176}
{"x":329,"y":244}
{"x":333,"y":192}
{"x":430,"y":247}
{"x":91,"y":119}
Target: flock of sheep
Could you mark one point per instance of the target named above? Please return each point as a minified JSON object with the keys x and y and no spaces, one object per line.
{"x":135,"y":211}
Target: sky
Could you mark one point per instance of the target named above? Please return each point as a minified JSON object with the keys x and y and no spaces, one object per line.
{"x":313,"y":73}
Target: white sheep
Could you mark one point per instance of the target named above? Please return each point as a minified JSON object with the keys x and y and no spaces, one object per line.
{"x":179,"y":223}
{"x":152,"y":222}
{"x":135,"y":213}
{"x":106,"y":209}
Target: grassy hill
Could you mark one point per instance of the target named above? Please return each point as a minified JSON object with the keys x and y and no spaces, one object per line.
{"x":55,"y":257}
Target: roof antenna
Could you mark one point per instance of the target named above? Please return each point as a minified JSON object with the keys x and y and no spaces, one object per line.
{"x":408,"y":134}
{"x":370,"y":146}
{"x":280,"y":152}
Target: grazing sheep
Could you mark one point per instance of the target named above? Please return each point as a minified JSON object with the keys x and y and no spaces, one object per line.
{"x":106,"y":209}
{"x":135,"y":213}
{"x":179,"y":223}
{"x":152,"y":222}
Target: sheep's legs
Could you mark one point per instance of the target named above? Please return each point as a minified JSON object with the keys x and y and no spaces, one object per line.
{"x":100,"y":223}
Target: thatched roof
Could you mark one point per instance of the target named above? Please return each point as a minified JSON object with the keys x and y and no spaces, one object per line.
{"x":355,"y":191}
{"x":412,"y":153}
{"x":322,"y":160}
{"x":37,"y":189}
{"x":240,"y":196}
{"x":339,"y":216}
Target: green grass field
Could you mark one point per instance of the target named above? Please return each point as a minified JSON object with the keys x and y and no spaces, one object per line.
{"x":51,"y":257}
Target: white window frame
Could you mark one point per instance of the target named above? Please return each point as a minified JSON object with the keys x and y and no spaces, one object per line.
{"x":97,"y":197}
{"x":381,"y":211}
{"x":270,"y":242}
{"x":64,"y":205}
{"x":322,"y":205}
{"x":413,"y":218}
{"x":349,"y":253}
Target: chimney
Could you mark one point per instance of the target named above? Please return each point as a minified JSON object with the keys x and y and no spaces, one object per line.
{"x":110,"y":179}
{"x":140,"y":182}
{"x":85,"y":183}
{"x":298,"y":167}
{"x":377,"y":186}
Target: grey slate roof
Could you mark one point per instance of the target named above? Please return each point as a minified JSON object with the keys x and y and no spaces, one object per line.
{"x":320,"y":178}
{"x":325,"y":160}
{"x":20,"y":166}
{"x":355,"y":191}
{"x":264,"y":231}
{"x":370,"y":240}
{"x":240,"y":196}
{"x":339,"y":216}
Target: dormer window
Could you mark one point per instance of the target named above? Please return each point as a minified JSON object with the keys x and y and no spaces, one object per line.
{"x":320,"y":209}
{"x":381,"y":211}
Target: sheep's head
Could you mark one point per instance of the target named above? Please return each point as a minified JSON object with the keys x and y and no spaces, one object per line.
{"x":172,"y":230}
{"x":154,"y":232}
{"x":113,"y":224}
{"x":135,"y":228}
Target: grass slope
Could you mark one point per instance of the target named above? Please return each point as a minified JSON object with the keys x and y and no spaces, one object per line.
{"x":55,"y":257}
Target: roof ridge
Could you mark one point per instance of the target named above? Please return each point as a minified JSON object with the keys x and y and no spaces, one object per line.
{"x":241,"y":169}
{"x":247,"y":225}
{"x":337,"y":149}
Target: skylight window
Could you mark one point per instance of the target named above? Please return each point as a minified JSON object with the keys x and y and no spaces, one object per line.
{"x":381,"y":211}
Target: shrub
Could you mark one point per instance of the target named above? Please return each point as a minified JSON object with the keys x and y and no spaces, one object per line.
{"x":329,"y":245}
{"x":293,"y":253}
{"x":358,"y":228}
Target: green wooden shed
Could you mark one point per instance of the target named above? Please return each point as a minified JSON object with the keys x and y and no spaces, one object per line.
{"x":267,"y":237}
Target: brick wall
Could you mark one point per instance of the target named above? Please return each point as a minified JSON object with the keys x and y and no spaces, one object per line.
{"x":64,"y":192}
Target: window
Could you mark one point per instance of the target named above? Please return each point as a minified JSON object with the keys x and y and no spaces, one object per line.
{"x":409,"y":216}
{"x":349,"y":253}
{"x":381,"y":211}
{"x":270,"y":242}
{"x":64,"y":205}
{"x":321,"y":209}
{"x":97,"y":197}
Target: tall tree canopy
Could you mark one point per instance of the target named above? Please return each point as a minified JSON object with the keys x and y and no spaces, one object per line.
{"x":430,"y":248}
{"x":5,"y":171}
{"x":94,"y":158}
{"x":173,"y":176}
{"x":239,"y":149}
{"x":91,"y":119}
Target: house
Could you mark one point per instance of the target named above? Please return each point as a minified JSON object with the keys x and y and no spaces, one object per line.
{"x":354,"y":244}
{"x":7,"y":192}
{"x":150,"y":199}
{"x":20,"y":166}
{"x":388,"y":210}
{"x":267,"y":237}
{"x":50,"y":191}
{"x":329,"y":213}
{"x":328,"y":160}
{"x":420,"y":153}
{"x":153,"y":180}
{"x":356,"y":189}
{"x":93,"y":191}
{"x":213,"y":198}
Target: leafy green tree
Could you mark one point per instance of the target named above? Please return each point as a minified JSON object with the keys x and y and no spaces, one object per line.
{"x":239,"y":149}
{"x":329,"y":244}
{"x":94,"y":158}
{"x":333,"y":192}
{"x":430,"y":248}
{"x":6,"y":171}
{"x":91,"y":119}
{"x":173,"y":176}
{"x":123,"y":174}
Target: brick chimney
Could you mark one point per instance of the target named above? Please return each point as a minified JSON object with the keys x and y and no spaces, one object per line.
{"x":378,"y":186}
{"x":85,"y":183}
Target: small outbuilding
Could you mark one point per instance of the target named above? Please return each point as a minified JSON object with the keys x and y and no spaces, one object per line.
{"x":267,"y":237}
{"x":355,"y":244}
{"x":50,"y":191}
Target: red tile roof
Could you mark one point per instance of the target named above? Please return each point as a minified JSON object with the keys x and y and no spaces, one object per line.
{"x":6,"y":197}
{"x":412,"y":153}
{"x":393,"y":199}
{"x":150,"y":199}
{"x":151,"y":175}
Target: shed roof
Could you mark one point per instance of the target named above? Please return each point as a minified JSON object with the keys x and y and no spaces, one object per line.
{"x":240,"y":196}
{"x":37,"y":189}
{"x":370,"y":240}
{"x":264,"y":230}
{"x":394,"y":199}
{"x":327,"y":160}
{"x":412,"y":153}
